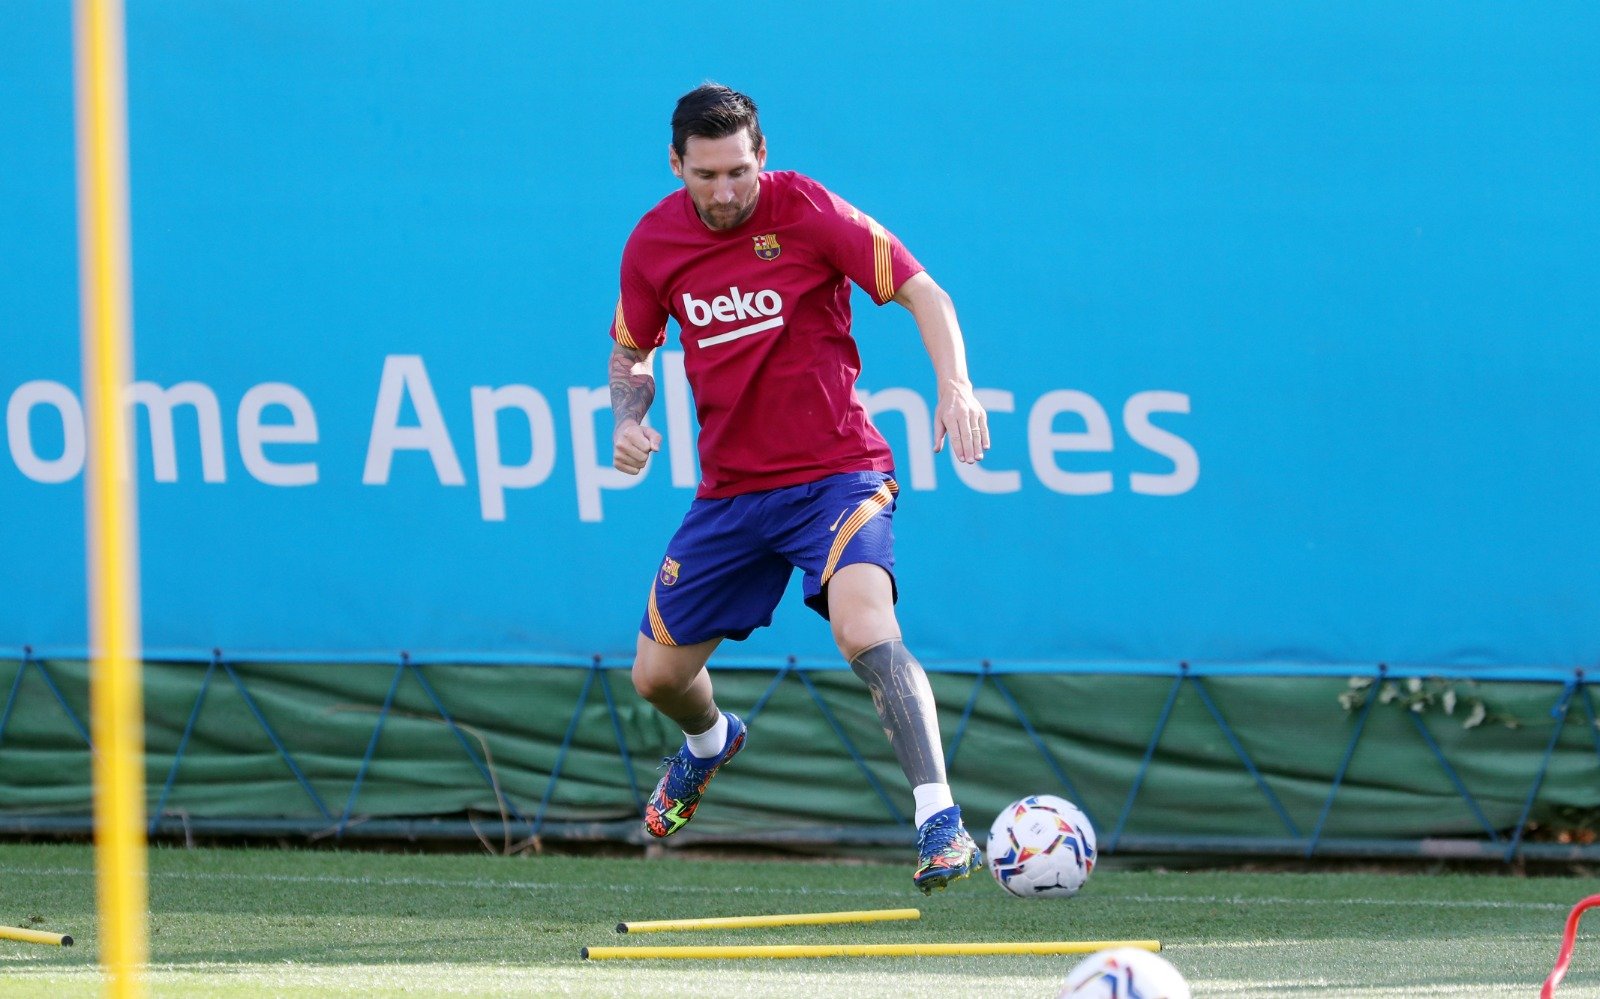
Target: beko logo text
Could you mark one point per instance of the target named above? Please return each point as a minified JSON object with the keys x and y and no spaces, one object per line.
{"x":732,"y":307}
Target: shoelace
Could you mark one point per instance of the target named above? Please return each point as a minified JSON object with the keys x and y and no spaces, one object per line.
{"x":936,"y":827}
{"x":668,"y":761}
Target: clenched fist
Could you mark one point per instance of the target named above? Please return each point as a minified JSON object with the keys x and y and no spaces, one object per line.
{"x":632,"y":445}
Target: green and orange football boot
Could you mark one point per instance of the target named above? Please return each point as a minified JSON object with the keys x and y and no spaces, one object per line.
{"x":945,"y":852}
{"x":676,"y":796}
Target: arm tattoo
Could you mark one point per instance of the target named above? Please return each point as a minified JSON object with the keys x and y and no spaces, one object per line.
{"x":633,"y":387}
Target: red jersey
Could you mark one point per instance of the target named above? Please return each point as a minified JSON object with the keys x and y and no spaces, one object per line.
{"x":763,"y":314}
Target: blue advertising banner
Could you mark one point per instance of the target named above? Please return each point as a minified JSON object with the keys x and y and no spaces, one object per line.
{"x":1285,"y":317}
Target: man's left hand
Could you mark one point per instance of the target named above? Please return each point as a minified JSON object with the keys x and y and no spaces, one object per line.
{"x":961,"y":416}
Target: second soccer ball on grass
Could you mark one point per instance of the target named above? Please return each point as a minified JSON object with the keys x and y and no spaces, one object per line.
{"x":1124,"y":973}
{"x":1041,"y":847}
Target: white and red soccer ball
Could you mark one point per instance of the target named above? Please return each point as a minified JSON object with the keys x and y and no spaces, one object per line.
{"x":1124,"y":973}
{"x":1041,"y":847}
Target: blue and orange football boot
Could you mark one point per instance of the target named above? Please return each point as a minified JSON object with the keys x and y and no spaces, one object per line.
{"x":945,"y":852}
{"x":675,"y":798}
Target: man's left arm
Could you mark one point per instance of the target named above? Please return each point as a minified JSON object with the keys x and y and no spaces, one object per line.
{"x":958,"y":412}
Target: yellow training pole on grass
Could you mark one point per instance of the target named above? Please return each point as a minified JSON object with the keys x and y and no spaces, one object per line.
{"x":864,"y":950}
{"x":35,"y":936}
{"x":105,"y":301}
{"x":748,"y":922}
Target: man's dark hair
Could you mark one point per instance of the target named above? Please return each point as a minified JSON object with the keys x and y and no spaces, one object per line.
{"x":712,"y":111}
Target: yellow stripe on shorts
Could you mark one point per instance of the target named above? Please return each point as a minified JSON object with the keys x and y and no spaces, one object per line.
{"x":658,"y":627}
{"x":864,"y":511}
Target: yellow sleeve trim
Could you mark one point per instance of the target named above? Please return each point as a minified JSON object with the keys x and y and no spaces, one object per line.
{"x":620,"y":328}
{"x":882,"y":262}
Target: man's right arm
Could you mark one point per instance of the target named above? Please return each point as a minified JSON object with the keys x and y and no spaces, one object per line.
{"x":633,"y":388}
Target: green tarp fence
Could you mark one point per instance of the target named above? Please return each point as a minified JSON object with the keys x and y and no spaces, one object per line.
{"x":1173,"y":760}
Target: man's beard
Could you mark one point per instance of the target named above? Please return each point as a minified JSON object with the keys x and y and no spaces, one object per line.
{"x":728,"y":218}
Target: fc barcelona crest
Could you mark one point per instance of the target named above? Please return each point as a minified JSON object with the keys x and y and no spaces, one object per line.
{"x":669,"y":572}
{"x":767,"y":247}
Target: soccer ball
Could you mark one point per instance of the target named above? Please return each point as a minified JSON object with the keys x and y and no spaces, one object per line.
{"x":1041,"y":847}
{"x":1124,"y":973}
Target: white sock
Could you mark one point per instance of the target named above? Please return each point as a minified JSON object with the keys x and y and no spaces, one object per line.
{"x":931,"y":799}
{"x":709,"y":743}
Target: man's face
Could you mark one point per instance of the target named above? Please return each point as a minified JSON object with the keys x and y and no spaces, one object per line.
{"x":722,"y":176}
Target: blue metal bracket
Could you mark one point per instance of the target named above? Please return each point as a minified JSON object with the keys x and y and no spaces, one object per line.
{"x":55,"y":691}
{"x":183,"y":743}
{"x":482,"y":765}
{"x":1144,"y":764}
{"x":1455,"y":778}
{"x":561,"y":754}
{"x":372,"y":746}
{"x":1588,"y":709}
{"x":11,"y":698}
{"x":850,"y":747}
{"x":772,"y":688}
{"x":966,"y":715}
{"x":1344,"y":764}
{"x":1244,"y":757}
{"x":1559,"y":713}
{"x":622,"y":741}
{"x":1044,"y":750}
{"x":266,"y":726}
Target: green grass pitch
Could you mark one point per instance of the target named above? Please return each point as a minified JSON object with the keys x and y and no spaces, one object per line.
{"x":255,"y":922}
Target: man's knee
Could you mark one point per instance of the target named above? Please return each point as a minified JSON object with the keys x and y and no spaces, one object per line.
{"x":886,"y":664}
{"x":648,"y":681}
{"x":667,"y":670}
{"x":854,"y":635}
{"x":861,"y":608}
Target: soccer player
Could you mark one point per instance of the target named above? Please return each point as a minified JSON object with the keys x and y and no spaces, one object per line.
{"x":756,"y":268}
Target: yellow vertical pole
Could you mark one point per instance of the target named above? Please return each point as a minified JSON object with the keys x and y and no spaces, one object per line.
{"x":111,"y":521}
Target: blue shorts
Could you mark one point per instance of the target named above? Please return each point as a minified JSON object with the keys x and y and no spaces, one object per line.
{"x":728,"y":565}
